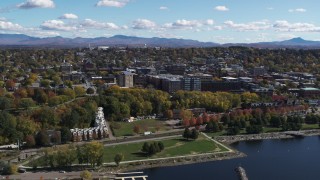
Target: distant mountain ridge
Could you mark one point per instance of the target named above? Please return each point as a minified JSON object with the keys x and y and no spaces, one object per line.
{"x":131,"y":41}
{"x":118,"y":40}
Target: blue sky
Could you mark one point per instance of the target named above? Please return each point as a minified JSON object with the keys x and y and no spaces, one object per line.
{"x":220,"y":21}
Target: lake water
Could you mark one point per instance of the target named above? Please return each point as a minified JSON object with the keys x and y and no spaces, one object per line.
{"x":286,"y":159}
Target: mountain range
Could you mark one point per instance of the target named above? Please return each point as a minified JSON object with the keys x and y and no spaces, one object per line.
{"x":21,"y":40}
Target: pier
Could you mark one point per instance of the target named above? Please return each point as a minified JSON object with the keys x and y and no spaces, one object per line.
{"x":242,"y":173}
{"x":131,"y":176}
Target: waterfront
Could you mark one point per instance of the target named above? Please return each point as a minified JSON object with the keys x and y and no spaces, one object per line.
{"x":292,"y":159}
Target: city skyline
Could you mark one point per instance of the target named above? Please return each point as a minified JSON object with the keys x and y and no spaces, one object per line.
{"x":220,"y":21}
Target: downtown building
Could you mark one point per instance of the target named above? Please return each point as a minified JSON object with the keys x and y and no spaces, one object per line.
{"x":172,"y":83}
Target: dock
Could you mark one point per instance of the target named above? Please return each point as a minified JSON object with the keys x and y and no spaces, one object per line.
{"x":131,"y":176}
{"x":242,"y":173}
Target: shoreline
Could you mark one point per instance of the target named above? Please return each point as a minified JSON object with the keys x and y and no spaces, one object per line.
{"x":264,"y":136}
{"x":176,"y":161}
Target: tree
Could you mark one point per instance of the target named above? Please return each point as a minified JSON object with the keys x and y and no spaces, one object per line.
{"x":186,"y":133}
{"x":5,"y":103}
{"x":69,"y":92}
{"x":10,"y":84}
{"x":216,"y":127}
{"x":161,"y":146}
{"x":91,"y":153}
{"x":118,"y":158}
{"x":56,"y":80}
{"x":145,"y":147}
{"x":30,"y":141}
{"x":254,"y":129}
{"x":42,"y":138}
{"x":194,"y":134}
{"x":47,"y":117}
{"x":26,"y":126}
{"x":86,"y":175}
{"x":234,"y":130}
{"x":65,"y":134}
{"x":90,"y":91}
{"x":248,"y":97}
{"x":26,"y":103}
{"x":79,"y":91}
{"x":10,"y":169}
{"x":168,"y":114}
{"x":45,"y":83}
{"x":136,"y":129}
{"x":8,"y":126}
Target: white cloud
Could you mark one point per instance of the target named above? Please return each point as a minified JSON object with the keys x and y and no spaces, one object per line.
{"x":209,"y":22}
{"x":270,"y":8}
{"x":251,"y":26}
{"x":295,"y":27}
{"x":57,"y":25}
{"x":6,"y":25}
{"x":183,"y":24}
{"x":163,"y":8}
{"x":143,"y":24}
{"x":68,"y":16}
{"x":189,"y":24}
{"x":89,"y":23}
{"x":299,"y":10}
{"x":217,"y":27}
{"x":221,"y":8}
{"x":36,"y":4}
{"x":112,"y":3}
{"x":10,"y":27}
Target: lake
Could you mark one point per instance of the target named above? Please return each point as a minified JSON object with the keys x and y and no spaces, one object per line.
{"x":292,"y":159}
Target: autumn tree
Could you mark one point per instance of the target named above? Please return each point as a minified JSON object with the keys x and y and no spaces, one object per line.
{"x":86,"y":175}
{"x":136,"y":129}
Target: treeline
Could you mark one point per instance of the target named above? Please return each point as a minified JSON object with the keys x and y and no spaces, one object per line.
{"x":121,"y":103}
{"x":27,"y":98}
{"x":216,"y":102}
{"x":253,"y":120}
{"x":64,"y":156}
{"x":152,"y":148}
{"x":28,"y":125}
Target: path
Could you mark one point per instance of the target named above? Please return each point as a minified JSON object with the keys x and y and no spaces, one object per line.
{"x":141,"y":140}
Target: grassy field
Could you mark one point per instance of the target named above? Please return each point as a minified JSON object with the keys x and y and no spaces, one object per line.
{"x":310,"y":126}
{"x":173,"y":147}
{"x":126,"y":129}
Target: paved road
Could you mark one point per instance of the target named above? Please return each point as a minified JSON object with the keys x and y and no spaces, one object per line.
{"x":111,"y":137}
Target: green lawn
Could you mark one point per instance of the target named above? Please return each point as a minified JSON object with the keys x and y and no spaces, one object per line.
{"x":126,"y":129}
{"x":173,"y":147}
{"x":310,"y":126}
{"x":271,"y":129}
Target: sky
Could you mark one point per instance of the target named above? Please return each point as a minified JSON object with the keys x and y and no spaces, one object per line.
{"x":220,"y":21}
